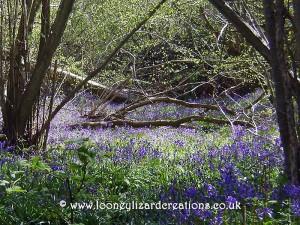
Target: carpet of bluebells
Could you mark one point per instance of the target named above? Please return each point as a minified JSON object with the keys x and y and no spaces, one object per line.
{"x":223,"y":164}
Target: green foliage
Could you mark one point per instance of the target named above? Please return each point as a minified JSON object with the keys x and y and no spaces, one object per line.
{"x":180,"y":40}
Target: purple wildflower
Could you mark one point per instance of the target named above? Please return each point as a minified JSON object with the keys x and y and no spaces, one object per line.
{"x":264,"y":212}
{"x":191,"y":192}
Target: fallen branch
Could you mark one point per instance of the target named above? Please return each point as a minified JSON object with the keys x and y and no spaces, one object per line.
{"x":126,"y":109}
{"x":96,"y":88}
{"x":109,"y":97}
{"x":157,"y":123}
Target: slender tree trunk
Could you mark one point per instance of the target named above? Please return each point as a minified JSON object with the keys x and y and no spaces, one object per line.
{"x":296,"y":4}
{"x":23,"y":85}
{"x":16,"y":75}
{"x":18,"y":71}
{"x":43,"y":63}
{"x":283,"y":88}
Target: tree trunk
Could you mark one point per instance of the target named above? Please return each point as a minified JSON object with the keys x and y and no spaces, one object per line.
{"x":16,"y":77}
{"x":282,"y":82}
{"x":296,"y":4}
{"x":70,"y":80}
{"x":158,"y":123}
{"x":23,"y":85}
{"x":43,"y":62}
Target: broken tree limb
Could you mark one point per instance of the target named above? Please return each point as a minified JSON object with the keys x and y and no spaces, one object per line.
{"x":107,"y":98}
{"x":157,"y":123}
{"x":120,"y":113}
{"x":96,"y":88}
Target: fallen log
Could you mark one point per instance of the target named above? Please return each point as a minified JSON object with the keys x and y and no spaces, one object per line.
{"x":157,"y":123}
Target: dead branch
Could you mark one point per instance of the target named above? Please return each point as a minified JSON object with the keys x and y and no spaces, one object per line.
{"x":151,"y":100}
{"x":157,"y":123}
{"x":107,"y":98}
{"x":260,"y":97}
{"x":96,"y":88}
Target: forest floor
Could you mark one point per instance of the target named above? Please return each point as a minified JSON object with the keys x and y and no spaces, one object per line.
{"x":154,"y":175}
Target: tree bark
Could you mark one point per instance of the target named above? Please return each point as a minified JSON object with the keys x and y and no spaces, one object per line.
{"x":16,"y":76}
{"x":296,"y":4}
{"x":282,"y":82}
{"x":43,"y":62}
{"x":157,"y":123}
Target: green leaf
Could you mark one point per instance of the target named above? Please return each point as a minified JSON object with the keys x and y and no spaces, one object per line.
{"x":127,"y":181}
{"x":38,"y":164}
{"x":107,"y":154}
{"x":61,"y":174}
{"x":16,"y":174}
{"x":74,"y":166}
{"x":77,"y":178}
{"x":3,"y":182}
{"x":15,"y":189}
{"x":84,"y":155}
{"x":22,"y":163}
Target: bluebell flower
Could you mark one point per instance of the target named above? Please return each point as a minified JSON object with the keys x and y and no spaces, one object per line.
{"x":264,"y":212}
{"x":179,"y":143}
{"x":2,"y":145}
{"x":191,"y":192}
{"x":292,"y":191}
{"x":203,"y":214}
{"x":210,"y":190}
{"x":231,"y":200}
{"x":246,"y":190}
{"x":296,"y":207}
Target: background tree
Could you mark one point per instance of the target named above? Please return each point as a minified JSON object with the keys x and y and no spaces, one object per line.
{"x":281,"y":50}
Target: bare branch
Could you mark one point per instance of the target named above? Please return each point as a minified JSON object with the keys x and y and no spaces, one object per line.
{"x":152,"y":100}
